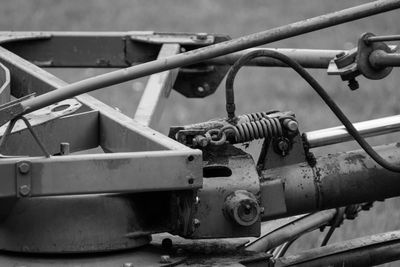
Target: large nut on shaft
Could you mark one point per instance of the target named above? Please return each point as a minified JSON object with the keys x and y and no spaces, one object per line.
{"x":242,"y":207}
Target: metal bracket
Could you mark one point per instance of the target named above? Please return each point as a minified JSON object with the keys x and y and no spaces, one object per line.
{"x":196,"y":81}
{"x":175,"y":38}
{"x":23,"y":181}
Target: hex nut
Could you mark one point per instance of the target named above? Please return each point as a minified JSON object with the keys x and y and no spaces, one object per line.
{"x":24,"y":167}
{"x":24,"y":190}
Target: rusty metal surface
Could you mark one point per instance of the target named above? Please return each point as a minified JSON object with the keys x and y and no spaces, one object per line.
{"x":240,"y":174}
{"x":337,"y":180}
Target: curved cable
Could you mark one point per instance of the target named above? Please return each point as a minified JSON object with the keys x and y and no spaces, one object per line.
{"x":230,"y":105}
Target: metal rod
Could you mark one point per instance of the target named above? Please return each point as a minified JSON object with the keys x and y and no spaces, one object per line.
{"x":308,"y":58}
{"x":380,"y":58}
{"x":292,"y":230}
{"x":339,"y":134}
{"x":198,"y":55}
{"x":383,"y":38}
{"x":364,"y":251}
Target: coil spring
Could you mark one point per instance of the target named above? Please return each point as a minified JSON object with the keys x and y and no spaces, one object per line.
{"x":257,"y":129}
{"x":255,"y":126}
{"x":256,"y":116}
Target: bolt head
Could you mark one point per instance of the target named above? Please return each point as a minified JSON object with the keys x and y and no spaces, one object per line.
{"x":202,"y":36}
{"x":165,"y":259}
{"x":292,"y":126}
{"x":24,"y":190}
{"x":24,"y":168}
{"x":196,"y":223}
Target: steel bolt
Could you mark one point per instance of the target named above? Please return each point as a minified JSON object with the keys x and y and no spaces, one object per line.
{"x":24,"y":190}
{"x":283,"y":146}
{"x":202,"y":36}
{"x":241,"y":206}
{"x":196,"y":223}
{"x":291,"y":125}
{"x":200,"y":141}
{"x":165,"y":259}
{"x":24,"y":168}
{"x":353,"y":84}
{"x":64,"y":148}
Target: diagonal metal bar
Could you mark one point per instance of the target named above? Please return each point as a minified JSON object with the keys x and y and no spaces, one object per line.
{"x":157,"y":90}
{"x":198,"y":55}
{"x":117,"y":132}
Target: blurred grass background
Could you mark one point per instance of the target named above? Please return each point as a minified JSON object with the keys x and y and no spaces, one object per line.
{"x":258,"y":89}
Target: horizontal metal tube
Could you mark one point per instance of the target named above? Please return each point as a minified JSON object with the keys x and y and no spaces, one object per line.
{"x":383,"y":38}
{"x":198,"y":55}
{"x":337,"y":180}
{"x":308,"y":58}
{"x":339,"y":134}
{"x":380,"y":58}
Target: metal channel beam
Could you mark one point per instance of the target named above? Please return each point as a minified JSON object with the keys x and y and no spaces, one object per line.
{"x":79,"y":49}
{"x":101,"y":173}
{"x":157,"y":90}
{"x":95,"y":49}
{"x":118,"y":132}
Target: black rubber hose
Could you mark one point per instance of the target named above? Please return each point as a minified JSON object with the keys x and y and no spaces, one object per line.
{"x":230,"y":106}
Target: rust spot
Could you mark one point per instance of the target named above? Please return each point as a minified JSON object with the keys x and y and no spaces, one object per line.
{"x":354,"y":159}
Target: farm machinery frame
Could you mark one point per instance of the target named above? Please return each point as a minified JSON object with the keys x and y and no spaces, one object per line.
{"x":113,"y":203}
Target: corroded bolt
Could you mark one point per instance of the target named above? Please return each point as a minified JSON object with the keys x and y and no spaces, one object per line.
{"x":196,"y":223}
{"x":165,"y":259}
{"x":242,"y":207}
{"x":283,"y":147}
{"x":24,"y":168}
{"x":24,"y":190}
{"x":200,"y":140}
